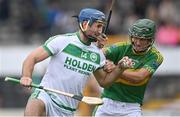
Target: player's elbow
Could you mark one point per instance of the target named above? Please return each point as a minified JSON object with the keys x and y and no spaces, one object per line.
{"x":138,"y":79}
{"x":142,"y":75}
{"x":104,"y":84}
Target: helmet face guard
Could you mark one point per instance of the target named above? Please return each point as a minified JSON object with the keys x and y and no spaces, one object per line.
{"x":143,"y":29}
{"x":91,"y":16}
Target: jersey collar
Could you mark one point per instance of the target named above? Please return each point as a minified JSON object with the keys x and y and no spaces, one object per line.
{"x":78,"y":35}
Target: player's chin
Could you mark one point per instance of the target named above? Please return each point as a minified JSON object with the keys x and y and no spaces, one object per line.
{"x":93,"y":38}
{"x":140,"y":50}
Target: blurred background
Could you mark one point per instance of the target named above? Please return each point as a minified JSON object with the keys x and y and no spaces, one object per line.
{"x":27,"y":24}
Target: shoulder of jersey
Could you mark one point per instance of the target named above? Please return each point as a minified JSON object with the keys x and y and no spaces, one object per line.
{"x":68,"y":35}
{"x":157,"y":54}
{"x":65,"y":36}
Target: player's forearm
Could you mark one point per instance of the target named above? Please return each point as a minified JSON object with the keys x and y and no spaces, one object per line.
{"x":109,"y":78}
{"x":28,"y":66}
{"x":112,"y":76}
{"x":133,"y":76}
{"x":36,"y":56}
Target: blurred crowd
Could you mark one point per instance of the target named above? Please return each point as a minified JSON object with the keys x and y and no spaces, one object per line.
{"x":33,"y":21}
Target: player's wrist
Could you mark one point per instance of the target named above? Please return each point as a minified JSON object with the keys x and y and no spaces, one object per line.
{"x":120,"y":69}
{"x":26,"y":77}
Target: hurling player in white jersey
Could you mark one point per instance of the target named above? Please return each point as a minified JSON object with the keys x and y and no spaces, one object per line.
{"x":73,"y":58}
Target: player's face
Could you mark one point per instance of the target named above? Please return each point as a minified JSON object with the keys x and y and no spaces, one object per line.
{"x":95,"y":29}
{"x":140,"y":45}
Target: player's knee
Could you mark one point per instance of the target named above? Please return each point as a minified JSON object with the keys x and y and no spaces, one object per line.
{"x":35,"y":107}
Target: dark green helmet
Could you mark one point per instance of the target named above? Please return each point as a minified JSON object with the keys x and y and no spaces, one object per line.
{"x":143,"y":28}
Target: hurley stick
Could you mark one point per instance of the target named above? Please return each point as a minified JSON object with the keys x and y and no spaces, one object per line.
{"x":85,"y":99}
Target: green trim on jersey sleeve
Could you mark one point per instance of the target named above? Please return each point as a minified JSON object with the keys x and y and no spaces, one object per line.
{"x":47,"y":50}
{"x":155,"y":60}
{"x":158,"y":54}
{"x":45,"y":46}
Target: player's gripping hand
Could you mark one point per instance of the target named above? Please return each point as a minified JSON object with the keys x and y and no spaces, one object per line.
{"x":26,"y":81}
{"x":109,"y":66}
{"x":101,"y":40}
{"x":125,"y":63}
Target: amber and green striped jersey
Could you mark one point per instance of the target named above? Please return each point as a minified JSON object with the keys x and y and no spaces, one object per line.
{"x":123,"y":90}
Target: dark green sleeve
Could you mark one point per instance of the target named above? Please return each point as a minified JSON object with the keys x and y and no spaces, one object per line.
{"x":114,"y":52}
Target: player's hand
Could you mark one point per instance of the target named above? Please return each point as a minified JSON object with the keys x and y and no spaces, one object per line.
{"x":125,"y":63}
{"x":109,"y":66}
{"x":26,"y":81}
{"x":101,"y":40}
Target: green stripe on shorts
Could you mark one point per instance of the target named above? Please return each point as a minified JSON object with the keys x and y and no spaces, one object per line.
{"x":35,"y":94}
{"x":94,"y":111}
{"x":61,"y":105}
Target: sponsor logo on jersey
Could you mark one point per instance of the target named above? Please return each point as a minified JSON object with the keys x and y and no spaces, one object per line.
{"x":93,"y":57}
{"x":134,"y":62}
{"x":84,"y":54}
{"x":155,"y":64}
{"x":79,"y":66}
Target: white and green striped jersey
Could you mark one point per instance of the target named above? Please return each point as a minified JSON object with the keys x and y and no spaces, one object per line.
{"x":70,"y":66}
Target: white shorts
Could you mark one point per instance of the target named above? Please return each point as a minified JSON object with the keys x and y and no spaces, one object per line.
{"x":53,"y":107}
{"x":117,"y":108}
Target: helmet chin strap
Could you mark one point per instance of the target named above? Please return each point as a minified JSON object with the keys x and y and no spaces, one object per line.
{"x":142,"y":51}
{"x":84,"y":29}
{"x":90,"y":38}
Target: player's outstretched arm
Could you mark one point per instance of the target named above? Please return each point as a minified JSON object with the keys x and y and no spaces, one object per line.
{"x":34,"y":57}
{"x":135,"y":76}
{"x":105,"y":78}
